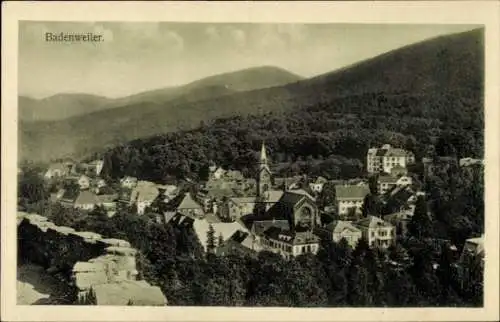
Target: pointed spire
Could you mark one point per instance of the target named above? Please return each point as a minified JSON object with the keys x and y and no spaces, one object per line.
{"x":263,"y":154}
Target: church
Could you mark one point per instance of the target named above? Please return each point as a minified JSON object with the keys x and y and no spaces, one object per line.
{"x":296,"y":208}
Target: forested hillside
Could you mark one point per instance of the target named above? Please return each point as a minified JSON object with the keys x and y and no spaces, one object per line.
{"x":441,"y":76}
{"x":331,"y":139}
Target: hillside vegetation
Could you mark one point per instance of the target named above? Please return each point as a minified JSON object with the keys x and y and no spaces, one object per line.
{"x":436,"y":80}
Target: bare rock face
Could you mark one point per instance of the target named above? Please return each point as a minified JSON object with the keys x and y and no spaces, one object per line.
{"x":105,"y":266}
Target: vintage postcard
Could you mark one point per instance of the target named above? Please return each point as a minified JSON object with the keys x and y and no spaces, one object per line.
{"x":250,"y":161}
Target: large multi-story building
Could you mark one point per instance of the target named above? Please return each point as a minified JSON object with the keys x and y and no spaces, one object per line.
{"x":387,"y":157}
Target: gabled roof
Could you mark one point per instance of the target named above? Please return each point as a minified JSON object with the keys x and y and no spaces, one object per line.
{"x":372,"y":222}
{"x":144,"y":191}
{"x":338,"y":226}
{"x":320,"y":180}
{"x":351,"y":192}
{"x":188,"y":202}
{"x":87,"y":198}
{"x":387,"y":179}
{"x":283,"y":209}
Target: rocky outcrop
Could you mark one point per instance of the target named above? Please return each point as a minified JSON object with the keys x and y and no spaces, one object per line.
{"x":87,"y":261}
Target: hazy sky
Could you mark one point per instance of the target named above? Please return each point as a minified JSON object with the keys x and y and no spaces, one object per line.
{"x":138,"y":56}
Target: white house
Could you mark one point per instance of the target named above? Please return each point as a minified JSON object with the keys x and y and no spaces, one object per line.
{"x":387,"y":182}
{"x":339,"y":229}
{"x":377,"y":232}
{"x":128,"y":182}
{"x":350,"y":196}
{"x":84,"y":182}
{"x":385,"y":158}
{"x":289,"y":244}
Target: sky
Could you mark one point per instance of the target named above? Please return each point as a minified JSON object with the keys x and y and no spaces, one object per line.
{"x":141,"y":56}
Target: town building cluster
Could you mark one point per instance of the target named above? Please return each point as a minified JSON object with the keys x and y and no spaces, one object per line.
{"x":250,"y":215}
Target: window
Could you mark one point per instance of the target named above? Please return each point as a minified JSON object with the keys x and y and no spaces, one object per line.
{"x":373,"y":234}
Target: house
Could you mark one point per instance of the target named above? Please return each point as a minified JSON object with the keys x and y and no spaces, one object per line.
{"x":400,"y":199}
{"x":350,"y":197}
{"x":128,"y":182}
{"x":467,"y":162}
{"x":57,"y":170}
{"x":440,"y":161}
{"x":471,"y":262}
{"x":339,"y":229}
{"x":100,"y":183}
{"x":387,"y":182}
{"x":258,"y":227}
{"x":205,"y":201}
{"x":234,"y":208}
{"x":400,"y":221}
{"x":217,"y":174}
{"x":186,"y":205}
{"x":240,"y":242}
{"x":84,"y":182}
{"x":96,"y":167}
{"x":398,"y":171}
{"x":289,"y":244}
{"x":143,"y":195}
{"x":317,"y":185}
{"x":201,"y":227}
{"x":86,"y":200}
{"x":377,"y":232}
{"x":56,"y":196}
{"x":108,"y":202}
{"x":385,"y":158}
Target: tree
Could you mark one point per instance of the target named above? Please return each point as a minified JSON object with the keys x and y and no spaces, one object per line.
{"x":211,"y":239}
{"x":420,"y":225}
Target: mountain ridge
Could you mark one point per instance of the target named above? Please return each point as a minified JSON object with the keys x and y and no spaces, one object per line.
{"x":443,"y":64}
{"x":66,"y":105}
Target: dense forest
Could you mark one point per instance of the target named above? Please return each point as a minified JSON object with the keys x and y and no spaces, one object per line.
{"x":328,"y":139}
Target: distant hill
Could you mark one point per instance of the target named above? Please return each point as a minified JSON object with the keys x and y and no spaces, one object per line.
{"x":60,"y":106}
{"x":64,"y":106}
{"x":453,"y":63}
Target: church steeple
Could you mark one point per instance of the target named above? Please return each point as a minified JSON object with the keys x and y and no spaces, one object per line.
{"x":263,"y":155}
{"x":264,"y":173}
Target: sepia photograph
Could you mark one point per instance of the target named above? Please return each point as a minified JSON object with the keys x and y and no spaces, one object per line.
{"x":250,"y":164}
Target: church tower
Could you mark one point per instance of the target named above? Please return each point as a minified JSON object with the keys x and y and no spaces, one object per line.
{"x":264,"y":173}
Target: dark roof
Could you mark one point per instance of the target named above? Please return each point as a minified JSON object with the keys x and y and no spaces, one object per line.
{"x":239,"y":236}
{"x":289,"y":237}
{"x":291,"y":197}
{"x":259,"y":227}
